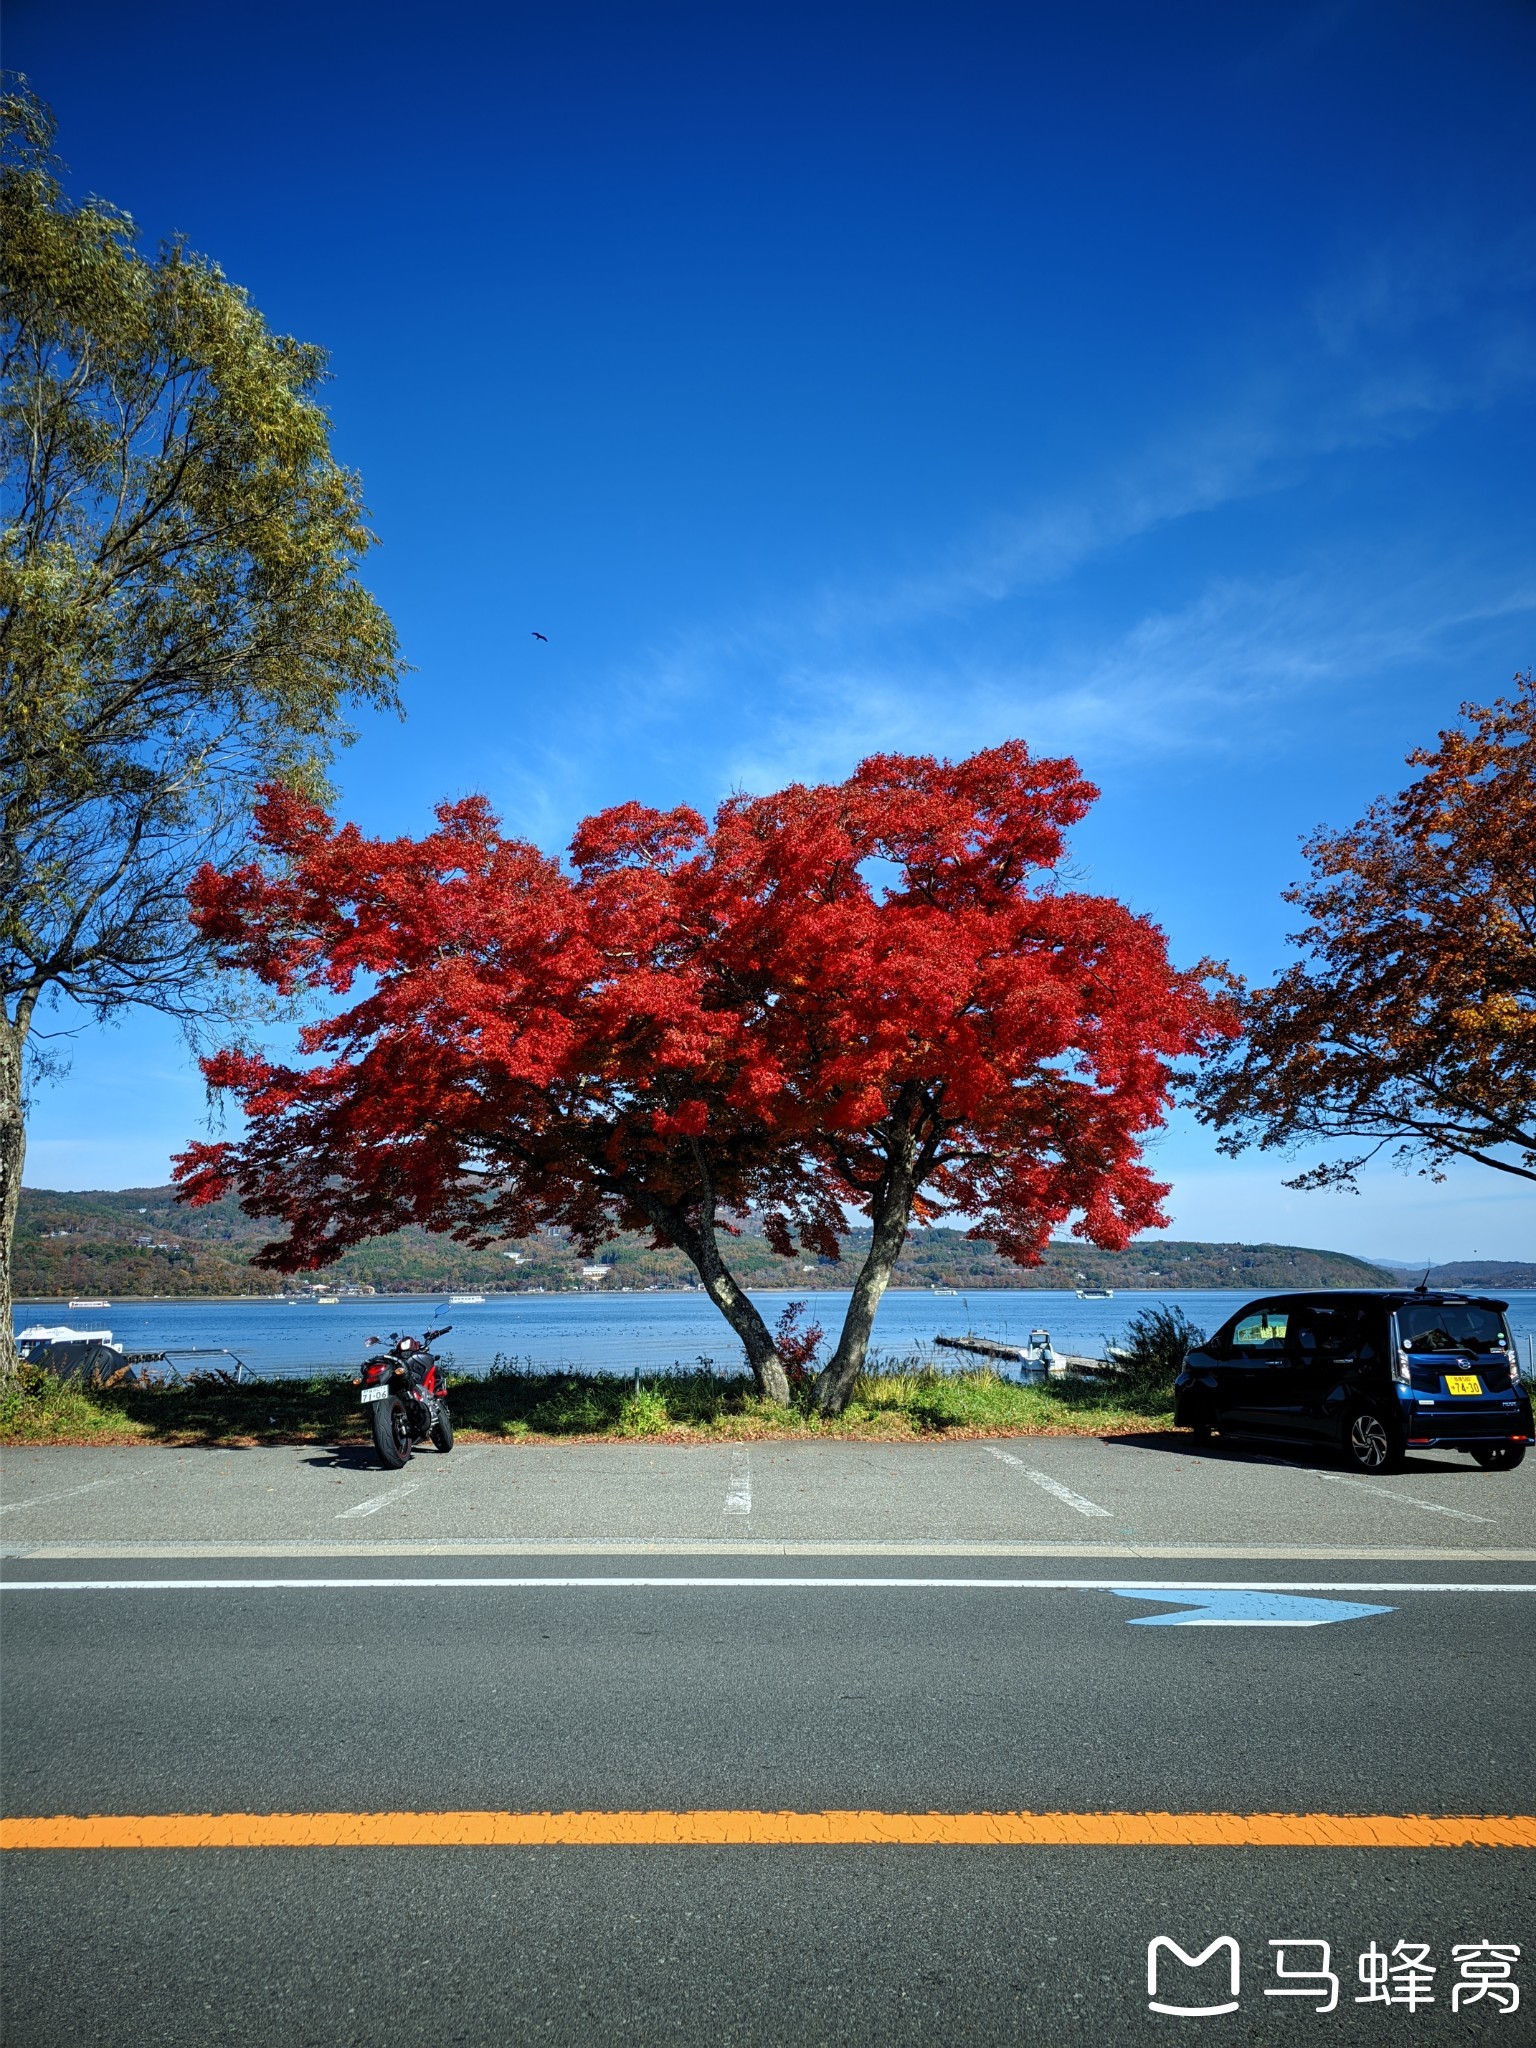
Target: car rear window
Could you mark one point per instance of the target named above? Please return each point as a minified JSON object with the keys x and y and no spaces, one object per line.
{"x":1450,"y":1326}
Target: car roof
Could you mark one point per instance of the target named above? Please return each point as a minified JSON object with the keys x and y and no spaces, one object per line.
{"x":1391,"y":1297}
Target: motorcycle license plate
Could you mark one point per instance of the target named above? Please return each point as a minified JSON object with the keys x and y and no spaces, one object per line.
{"x":1463,"y":1383}
{"x":375,"y":1394}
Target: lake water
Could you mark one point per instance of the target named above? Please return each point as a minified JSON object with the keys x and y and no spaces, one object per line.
{"x":618,"y":1333}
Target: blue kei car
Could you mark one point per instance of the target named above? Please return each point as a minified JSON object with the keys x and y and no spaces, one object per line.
{"x":1371,"y":1374}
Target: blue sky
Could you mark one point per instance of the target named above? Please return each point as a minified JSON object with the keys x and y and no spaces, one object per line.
{"x":1152,"y":382}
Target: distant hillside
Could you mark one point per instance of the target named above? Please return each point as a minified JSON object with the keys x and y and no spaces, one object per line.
{"x":1473,"y":1273}
{"x":139,"y":1241}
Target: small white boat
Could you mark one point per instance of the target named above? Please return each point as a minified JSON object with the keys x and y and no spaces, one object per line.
{"x":1095,"y":1294}
{"x":90,"y":1301}
{"x":464,"y":1300}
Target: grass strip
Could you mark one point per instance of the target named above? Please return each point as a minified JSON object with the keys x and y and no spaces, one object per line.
{"x":900,"y":1402}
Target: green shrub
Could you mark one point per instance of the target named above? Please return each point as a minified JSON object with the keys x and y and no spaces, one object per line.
{"x":572,"y":1412}
{"x":36,"y":1407}
{"x":1151,"y":1353}
{"x":644,"y":1413}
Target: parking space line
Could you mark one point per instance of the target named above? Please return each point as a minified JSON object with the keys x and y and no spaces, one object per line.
{"x":381,"y":1500}
{"x":1407,"y":1500}
{"x":738,"y":1488}
{"x":737,"y":1827}
{"x":1049,"y":1485}
{"x":41,"y":1500}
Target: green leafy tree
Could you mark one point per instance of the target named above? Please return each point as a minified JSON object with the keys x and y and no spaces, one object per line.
{"x":180,"y":616}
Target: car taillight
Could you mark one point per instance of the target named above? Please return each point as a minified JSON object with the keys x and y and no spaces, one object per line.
{"x":1401,"y":1368}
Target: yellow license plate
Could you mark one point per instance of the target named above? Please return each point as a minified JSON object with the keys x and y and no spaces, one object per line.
{"x":1463,"y":1383}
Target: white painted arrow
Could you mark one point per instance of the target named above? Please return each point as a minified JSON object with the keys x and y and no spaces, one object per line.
{"x":1219,"y":1609}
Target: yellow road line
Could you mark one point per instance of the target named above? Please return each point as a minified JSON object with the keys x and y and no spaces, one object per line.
{"x":727,"y":1827}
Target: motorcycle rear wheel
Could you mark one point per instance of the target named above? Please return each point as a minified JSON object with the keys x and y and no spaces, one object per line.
{"x":391,"y":1432}
{"x":442,"y":1429}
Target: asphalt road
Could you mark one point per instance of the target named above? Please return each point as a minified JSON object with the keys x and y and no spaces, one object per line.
{"x":204,"y":1696}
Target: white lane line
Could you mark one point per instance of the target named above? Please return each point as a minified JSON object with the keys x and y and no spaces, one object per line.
{"x":1052,"y":1486}
{"x":738,"y":1488}
{"x":1173,"y":1588}
{"x":41,"y":1500}
{"x":1314,"y":1556}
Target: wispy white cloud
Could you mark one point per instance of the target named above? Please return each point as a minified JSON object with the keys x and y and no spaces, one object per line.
{"x":1021,"y":625}
{"x":1192,"y":678}
{"x":1403,"y":285}
{"x":1372,"y":369}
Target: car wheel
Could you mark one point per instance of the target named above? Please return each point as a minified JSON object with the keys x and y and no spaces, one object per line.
{"x":1500,"y":1457}
{"x":1370,"y":1445}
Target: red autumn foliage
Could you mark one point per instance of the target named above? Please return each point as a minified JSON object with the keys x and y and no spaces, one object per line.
{"x":797,"y":1343}
{"x":867,"y":995}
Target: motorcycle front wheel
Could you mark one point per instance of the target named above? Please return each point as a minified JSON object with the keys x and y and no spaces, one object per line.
{"x":391,"y":1432}
{"x":442,"y":1429}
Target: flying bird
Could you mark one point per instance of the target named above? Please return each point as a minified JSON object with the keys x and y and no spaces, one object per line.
{"x":542,"y":636}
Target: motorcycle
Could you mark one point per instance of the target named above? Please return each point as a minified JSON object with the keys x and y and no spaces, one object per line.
{"x":405,"y":1390}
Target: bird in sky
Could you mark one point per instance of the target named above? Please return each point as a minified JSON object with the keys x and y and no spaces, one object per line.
{"x":542,"y":636}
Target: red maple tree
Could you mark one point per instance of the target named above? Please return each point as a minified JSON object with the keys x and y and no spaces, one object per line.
{"x":869,"y":996}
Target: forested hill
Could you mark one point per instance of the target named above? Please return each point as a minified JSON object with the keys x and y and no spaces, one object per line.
{"x":1473,"y":1274}
{"x":138,"y":1241}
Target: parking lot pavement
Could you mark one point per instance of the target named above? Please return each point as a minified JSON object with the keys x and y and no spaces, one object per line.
{"x":1063,"y":1493}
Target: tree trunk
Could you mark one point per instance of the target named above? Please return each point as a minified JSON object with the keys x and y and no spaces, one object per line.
{"x":13,"y":1152}
{"x":698,"y":1243}
{"x":891,"y":1214}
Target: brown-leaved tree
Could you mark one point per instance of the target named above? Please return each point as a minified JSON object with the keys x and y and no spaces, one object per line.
{"x":1410,"y":1022}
